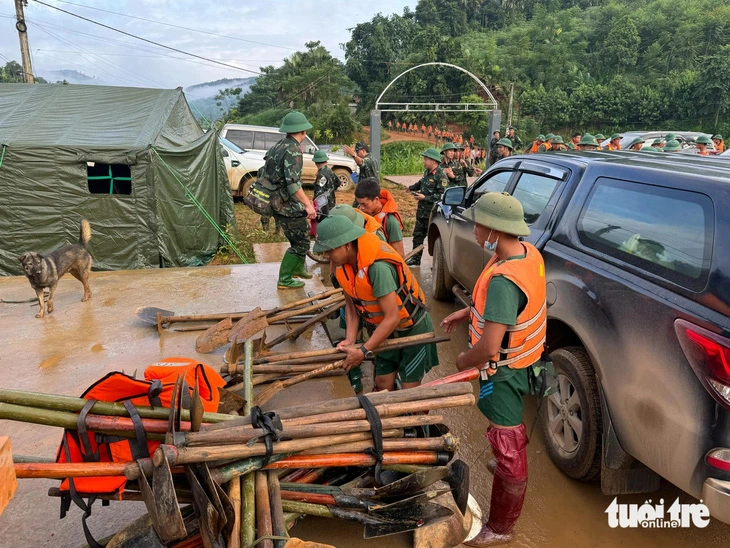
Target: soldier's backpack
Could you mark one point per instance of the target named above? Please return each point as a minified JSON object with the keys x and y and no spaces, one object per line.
{"x":263,"y":197}
{"x":83,"y":445}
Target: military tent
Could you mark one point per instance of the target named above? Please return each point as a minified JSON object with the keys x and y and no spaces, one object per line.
{"x":131,"y":161}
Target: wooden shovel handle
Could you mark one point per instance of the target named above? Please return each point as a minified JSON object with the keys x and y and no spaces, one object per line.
{"x":462,"y":376}
{"x":315,"y":372}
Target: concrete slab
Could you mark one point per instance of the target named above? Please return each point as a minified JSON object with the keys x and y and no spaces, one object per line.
{"x":79,"y":342}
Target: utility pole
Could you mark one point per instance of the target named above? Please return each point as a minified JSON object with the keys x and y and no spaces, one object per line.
{"x":511,"y":94}
{"x":22,"y":28}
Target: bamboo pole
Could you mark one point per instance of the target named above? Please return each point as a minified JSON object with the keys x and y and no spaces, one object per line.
{"x":56,"y":402}
{"x":277,"y":514}
{"x":346,"y":404}
{"x":361,"y":460}
{"x":263,"y":510}
{"x":338,"y":299}
{"x":187,"y":455}
{"x":248,"y":509}
{"x":234,"y":494}
{"x":287,"y":369}
{"x":276,"y":387}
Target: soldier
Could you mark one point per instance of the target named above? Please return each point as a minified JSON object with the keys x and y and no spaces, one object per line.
{"x":493,"y":157}
{"x":636,"y":144}
{"x":382,"y":292}
{"x":381,"y":205}
{"x":615,"y":142}
{"x":397,"y":125}
{"x":547,"y":143}
{"x":658,"y":144}
{"x":670,"y":136}
{"x":600,"y":137}
{"x":266,"y":221}
{"x":427,"y":191}
{"x":464,"y":160}
{"x":430,"y":131}
{"x":449,"y":165}
{"x":672,"y":146}
{"x":283,"y":169}
{"x":536,"y":144}
{"x":368,"y":165}
{"x":514,"y":139}
{"x":575,"y":141}
{"x":701,"y":143}
{"x":504,"y":148}
{"x":719,"y":143}
{"x":556,"y":144}
{"x":326,"y":183}
{"x":423,"y":129}
{"x":588,"y":142}
{"x":390,"y":125}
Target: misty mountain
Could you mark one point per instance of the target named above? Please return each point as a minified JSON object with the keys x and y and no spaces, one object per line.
{"x":71,"y":76}
{"x":201,"y":97}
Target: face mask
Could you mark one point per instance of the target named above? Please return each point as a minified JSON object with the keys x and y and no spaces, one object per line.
{"x":488,"y":246}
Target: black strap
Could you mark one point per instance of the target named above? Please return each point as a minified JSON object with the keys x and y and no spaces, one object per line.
{"x":139,"y":449}
{"x":376,"y":429}
{"x":269,"y":423}
{"x":84,"y":438}
{"x":74,"y":496}
{"x":153,"y":394}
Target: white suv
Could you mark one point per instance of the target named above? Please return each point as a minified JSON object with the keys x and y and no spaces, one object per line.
{"x":261,"y":139}
{"x":241,"y":166}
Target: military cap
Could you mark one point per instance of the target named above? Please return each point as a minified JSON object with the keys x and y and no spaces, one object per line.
{"x":540,"y":137}
{"x":432,"y":153}
{"x":588,"y":139}
{"x":717,"y":136}
{"x":505,"y":143}
{"x":672,"y":146}
{"x":320,"y":157}
{"x":448,"y":146}
{"x":557,"y":139}
{"x":635,"y":141}
{"x":670,"y":136}
{"x":499,"y":211}
{"x":703,"y":140}
{"x":294,"y":122}
{"x":600,"y":136}
{"x":361,"y":146}
{"x":335,"y":231}
{"x":348,"y":211}
{"x":549,"y":136}
{"x":615,"y":136}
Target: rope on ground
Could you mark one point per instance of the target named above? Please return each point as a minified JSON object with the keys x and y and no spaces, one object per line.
{"x":2,"y":155}
{"x":202,"y":209}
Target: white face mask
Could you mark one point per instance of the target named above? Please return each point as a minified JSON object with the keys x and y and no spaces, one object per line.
{"x":491,"y":247}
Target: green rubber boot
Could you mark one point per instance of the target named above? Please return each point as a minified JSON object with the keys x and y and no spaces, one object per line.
{"x":301,"y":270}
{"x":288,"y":264}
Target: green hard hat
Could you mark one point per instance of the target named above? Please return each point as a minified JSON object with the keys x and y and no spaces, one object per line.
{"x":500,"y":211}
{"x":651,"y":149}
{"x":294,"y":122}
{"x":348,"y":211}
{"x":600,"y":136}
{"x":432,"y":153}
{"x":448,"y":146}
{"x":670,"y":136}
{"x":615,"y":136}
{"x":703,"y":140}
{"x":557,"y":139}
{"x":658,"y":141}
{"x":320,"y":157}
{"x":550,"y":136}
{"x":505,"y":143}
{"x":717,"y":136}
{"x":335,"y":231}
{"x":635,"y":141}
{"x":588,"y":139}
{"x":672,"y":146}
{"x":540,"y":137}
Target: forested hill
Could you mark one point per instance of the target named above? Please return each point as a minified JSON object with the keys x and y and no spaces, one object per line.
{"x":583,"y":64}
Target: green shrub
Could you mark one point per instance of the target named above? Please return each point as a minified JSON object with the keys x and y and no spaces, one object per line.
{"x":402,"y":158}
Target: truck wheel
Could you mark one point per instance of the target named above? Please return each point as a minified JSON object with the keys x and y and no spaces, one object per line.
{"x":244,"y":186}
{"x":345,"y":181}
{"x":442,"y":282}
{"x":570,"y":418}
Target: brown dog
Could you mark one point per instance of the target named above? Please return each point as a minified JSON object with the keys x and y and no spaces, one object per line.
{"x":44,"y":271}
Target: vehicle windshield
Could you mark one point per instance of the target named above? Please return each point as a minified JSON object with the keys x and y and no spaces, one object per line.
{"x":234,"y":147}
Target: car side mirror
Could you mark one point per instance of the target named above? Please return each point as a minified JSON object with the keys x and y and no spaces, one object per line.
{"x":454,"y":196}
{"x":310,"y":150}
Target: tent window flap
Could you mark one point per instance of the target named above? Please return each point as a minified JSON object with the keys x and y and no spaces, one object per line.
{"x":109,"y":178}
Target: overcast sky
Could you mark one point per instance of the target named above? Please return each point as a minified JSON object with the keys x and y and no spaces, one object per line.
{"x":254,"y":33}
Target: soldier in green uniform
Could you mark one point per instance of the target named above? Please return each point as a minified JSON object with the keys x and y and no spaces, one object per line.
{"x":493,"y":147}
{"x":427,"y":191}
{"x":466,"y":166}
{"x":658,"y":144}
{"x":547,"y":144}
{"x":368,"y":165}
{"x":504,"y":148}
{"x":514,"y":138}
{"x":600,"y":137}
{"x":588,"y":142}
{"x":283,"y":169}
{"x":575,"y":141}
{"x":452,"y":170}
{"x":556,"y":144}
{"x":266,"y":220}
{"x":326,"y":183}
{"x":672,"y":146}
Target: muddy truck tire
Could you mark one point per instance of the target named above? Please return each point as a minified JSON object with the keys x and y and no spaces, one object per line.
{"x":570,"y":418}
{"x":345,"y":180}
{"x":442,"y":280}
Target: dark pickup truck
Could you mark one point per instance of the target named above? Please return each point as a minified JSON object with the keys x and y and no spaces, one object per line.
{"x":637,"y":259}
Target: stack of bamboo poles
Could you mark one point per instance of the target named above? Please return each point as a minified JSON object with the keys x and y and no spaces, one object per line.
{"x":315,"y":440}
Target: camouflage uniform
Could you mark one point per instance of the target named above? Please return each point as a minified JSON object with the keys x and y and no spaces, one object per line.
{"x":493,"y":157}
{"x":266,"y":221}
{"x":432,"y":186}
{"x":369,"y":168}
{"x":326,"y":182}
{"x":284,"y":169}
{"x":456,"y":170}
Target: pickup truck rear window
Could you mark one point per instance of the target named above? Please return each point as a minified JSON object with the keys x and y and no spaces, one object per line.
{"x":666,"y":232}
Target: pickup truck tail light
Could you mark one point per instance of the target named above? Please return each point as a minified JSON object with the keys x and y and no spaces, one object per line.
{"x":709,"y":356}
{"x":719,"y":458}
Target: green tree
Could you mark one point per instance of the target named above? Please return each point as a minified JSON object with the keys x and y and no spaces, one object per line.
{"x":713,"y":85}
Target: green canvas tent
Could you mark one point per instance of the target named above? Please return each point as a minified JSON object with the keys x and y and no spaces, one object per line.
{"x":116,"y":157}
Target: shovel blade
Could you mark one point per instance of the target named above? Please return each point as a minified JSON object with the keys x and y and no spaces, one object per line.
{"x":248,"y":325}
{"x":214,"y":337}
{"x":148,"y":314}
{"x":408,"y":508}
{"x":458,"y":480}
{"x":430,"y":514}
{"x":413,"y":483}
{"x":169,"y":523}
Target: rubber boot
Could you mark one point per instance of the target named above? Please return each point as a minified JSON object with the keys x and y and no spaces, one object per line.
{"x":508,"y":488}
{"x":415,"y":260}
{"x":288,"y":264}
{"x":300,"y":271}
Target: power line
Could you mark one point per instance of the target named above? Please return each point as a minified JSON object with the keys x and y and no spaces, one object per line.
{"x":177,"y":26}
{"x":158,"y":56}
{"x":147,"y":40}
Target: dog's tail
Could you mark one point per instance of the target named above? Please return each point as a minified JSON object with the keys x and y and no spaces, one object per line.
{"x":85,"y":234}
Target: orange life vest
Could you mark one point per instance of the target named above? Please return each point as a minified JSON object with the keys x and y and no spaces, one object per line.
{"x":721,"y":147}
{"x":372,"y":225}
{"x":155,"y":390}
{"x":526,"y":339}
{"x":535,"y":148}
{"x":390,"y":207}
{"x":358,"y":287}
{"x":703,"y":152}
{"x":611,"y":147}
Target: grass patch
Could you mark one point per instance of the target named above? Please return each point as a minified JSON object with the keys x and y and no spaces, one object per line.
{"x":402,"y":157}
{"x":250,"y":232}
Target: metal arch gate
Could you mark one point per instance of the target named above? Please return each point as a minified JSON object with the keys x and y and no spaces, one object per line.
{"x":490,"y":106}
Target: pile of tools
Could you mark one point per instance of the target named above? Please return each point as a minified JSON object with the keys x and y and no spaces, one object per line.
{"x":224,"y":480}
